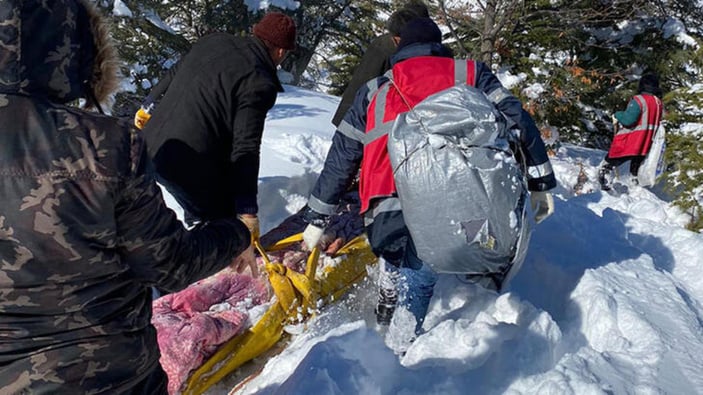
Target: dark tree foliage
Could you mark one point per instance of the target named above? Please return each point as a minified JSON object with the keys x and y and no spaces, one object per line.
{"x":158,"y":33}
{"x":348,"y":42}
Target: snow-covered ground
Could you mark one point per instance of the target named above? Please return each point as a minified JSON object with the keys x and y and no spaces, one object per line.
{"x":608,"y":301}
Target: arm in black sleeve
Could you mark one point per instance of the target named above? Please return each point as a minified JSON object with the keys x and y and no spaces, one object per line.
{"x":156,"y":246}
{"x":254,"y":99}
{"x":540,"y":176}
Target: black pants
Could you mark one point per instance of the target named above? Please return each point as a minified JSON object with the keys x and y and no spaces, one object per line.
{"x":390,"y":239}
{"x":154,"y":384}
{"x":635,"y":163}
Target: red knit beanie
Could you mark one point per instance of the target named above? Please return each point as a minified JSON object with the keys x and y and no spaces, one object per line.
{"x":278,"y":29}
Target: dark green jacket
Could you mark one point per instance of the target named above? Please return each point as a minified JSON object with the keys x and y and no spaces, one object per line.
{"x":84,"y":232}
{"x":375,"y":61}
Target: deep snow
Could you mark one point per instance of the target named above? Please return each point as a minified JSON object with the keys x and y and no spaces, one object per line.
{"x":608,"y":300}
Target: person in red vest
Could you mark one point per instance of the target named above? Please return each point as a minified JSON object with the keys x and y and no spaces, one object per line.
{"x":637,"y":123}
{"x":421,"y":67}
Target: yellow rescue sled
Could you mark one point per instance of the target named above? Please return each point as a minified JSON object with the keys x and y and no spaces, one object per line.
{"x":297,"y":297}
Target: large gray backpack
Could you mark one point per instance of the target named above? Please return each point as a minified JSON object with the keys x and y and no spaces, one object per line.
{"x":461,"y":189}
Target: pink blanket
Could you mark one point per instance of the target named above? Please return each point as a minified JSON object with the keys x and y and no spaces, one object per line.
{"x":192,"y":323}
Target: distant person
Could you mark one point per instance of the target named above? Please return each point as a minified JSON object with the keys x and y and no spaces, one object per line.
{"x":422,"y":67}
{"x":377,"y":57}
{"x":84,"y":231}
{"x":634,"y":129}
{"x":205,"y":134}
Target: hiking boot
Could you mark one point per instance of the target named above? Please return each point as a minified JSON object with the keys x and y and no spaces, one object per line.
{"x":388,"y":278}
{"x":387,"y":301}
{"x":384,"y":314}
{"x":603,"y":175}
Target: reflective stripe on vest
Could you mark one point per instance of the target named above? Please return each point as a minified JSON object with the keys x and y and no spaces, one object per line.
{"x":385,"y":205}
{"x":642,"y":120}
{"x":646,"y":120}
{"x":638,"y":139}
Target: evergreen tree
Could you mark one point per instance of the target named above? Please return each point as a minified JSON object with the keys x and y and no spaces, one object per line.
{"x":154,"y":34}
{"x":579,"y":62}
{"x":348,"y":42}
{"x":685,"y":144}
{"x":317,"y":21}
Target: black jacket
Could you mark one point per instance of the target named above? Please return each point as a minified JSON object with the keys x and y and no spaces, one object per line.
{"x":205,"y":134}
{"x":375,"y":62}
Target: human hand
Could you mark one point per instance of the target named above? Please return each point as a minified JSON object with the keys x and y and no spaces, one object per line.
{"x":244,"y":260}
{"x":542,"y":204}
{"x":334,"y":246}
{"x":252,"y":223}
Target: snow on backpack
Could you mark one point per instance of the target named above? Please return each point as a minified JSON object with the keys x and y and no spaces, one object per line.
{"x":462,"y":192}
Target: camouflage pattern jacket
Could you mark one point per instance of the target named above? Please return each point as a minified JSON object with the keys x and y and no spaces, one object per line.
{"x":84,"y":231}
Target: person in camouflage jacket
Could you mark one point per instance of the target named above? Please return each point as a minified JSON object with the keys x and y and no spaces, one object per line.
{"x":84,"y":231}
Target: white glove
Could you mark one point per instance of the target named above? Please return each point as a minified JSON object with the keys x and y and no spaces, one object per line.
{"x":615,"y":120}
{"x":542,"y":204}
{"x":312,"y":235}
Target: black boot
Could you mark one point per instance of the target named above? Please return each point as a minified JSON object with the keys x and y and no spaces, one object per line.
{"x":387,"y":300}
{"x":603,"y":174}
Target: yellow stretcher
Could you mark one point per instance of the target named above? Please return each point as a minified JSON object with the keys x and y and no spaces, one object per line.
{"x":297,"y":296}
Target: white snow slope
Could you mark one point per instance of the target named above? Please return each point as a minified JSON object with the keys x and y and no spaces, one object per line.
{"x":608,"y":300}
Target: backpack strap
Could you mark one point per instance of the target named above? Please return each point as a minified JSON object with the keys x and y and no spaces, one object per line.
{"x":380,"y":128}
{"x":465,"y":73}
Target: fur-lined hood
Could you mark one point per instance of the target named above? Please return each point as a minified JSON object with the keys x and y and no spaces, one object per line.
{"x":57,"y":49}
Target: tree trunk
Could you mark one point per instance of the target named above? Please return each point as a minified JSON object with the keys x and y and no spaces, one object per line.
{"x":488,"y":34}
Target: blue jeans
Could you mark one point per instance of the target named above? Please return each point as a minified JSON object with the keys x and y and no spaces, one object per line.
{"x":415,"y":286}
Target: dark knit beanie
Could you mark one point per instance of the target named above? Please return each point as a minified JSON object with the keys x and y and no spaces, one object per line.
{"x":419,"y":30}
{"x":278,"y":29}
{"x":419,"y":7}
{"x":402,"y":16}
{"x":649,"y":83}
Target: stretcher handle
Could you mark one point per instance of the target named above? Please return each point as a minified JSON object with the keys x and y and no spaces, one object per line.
{"x":311,"y":264}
